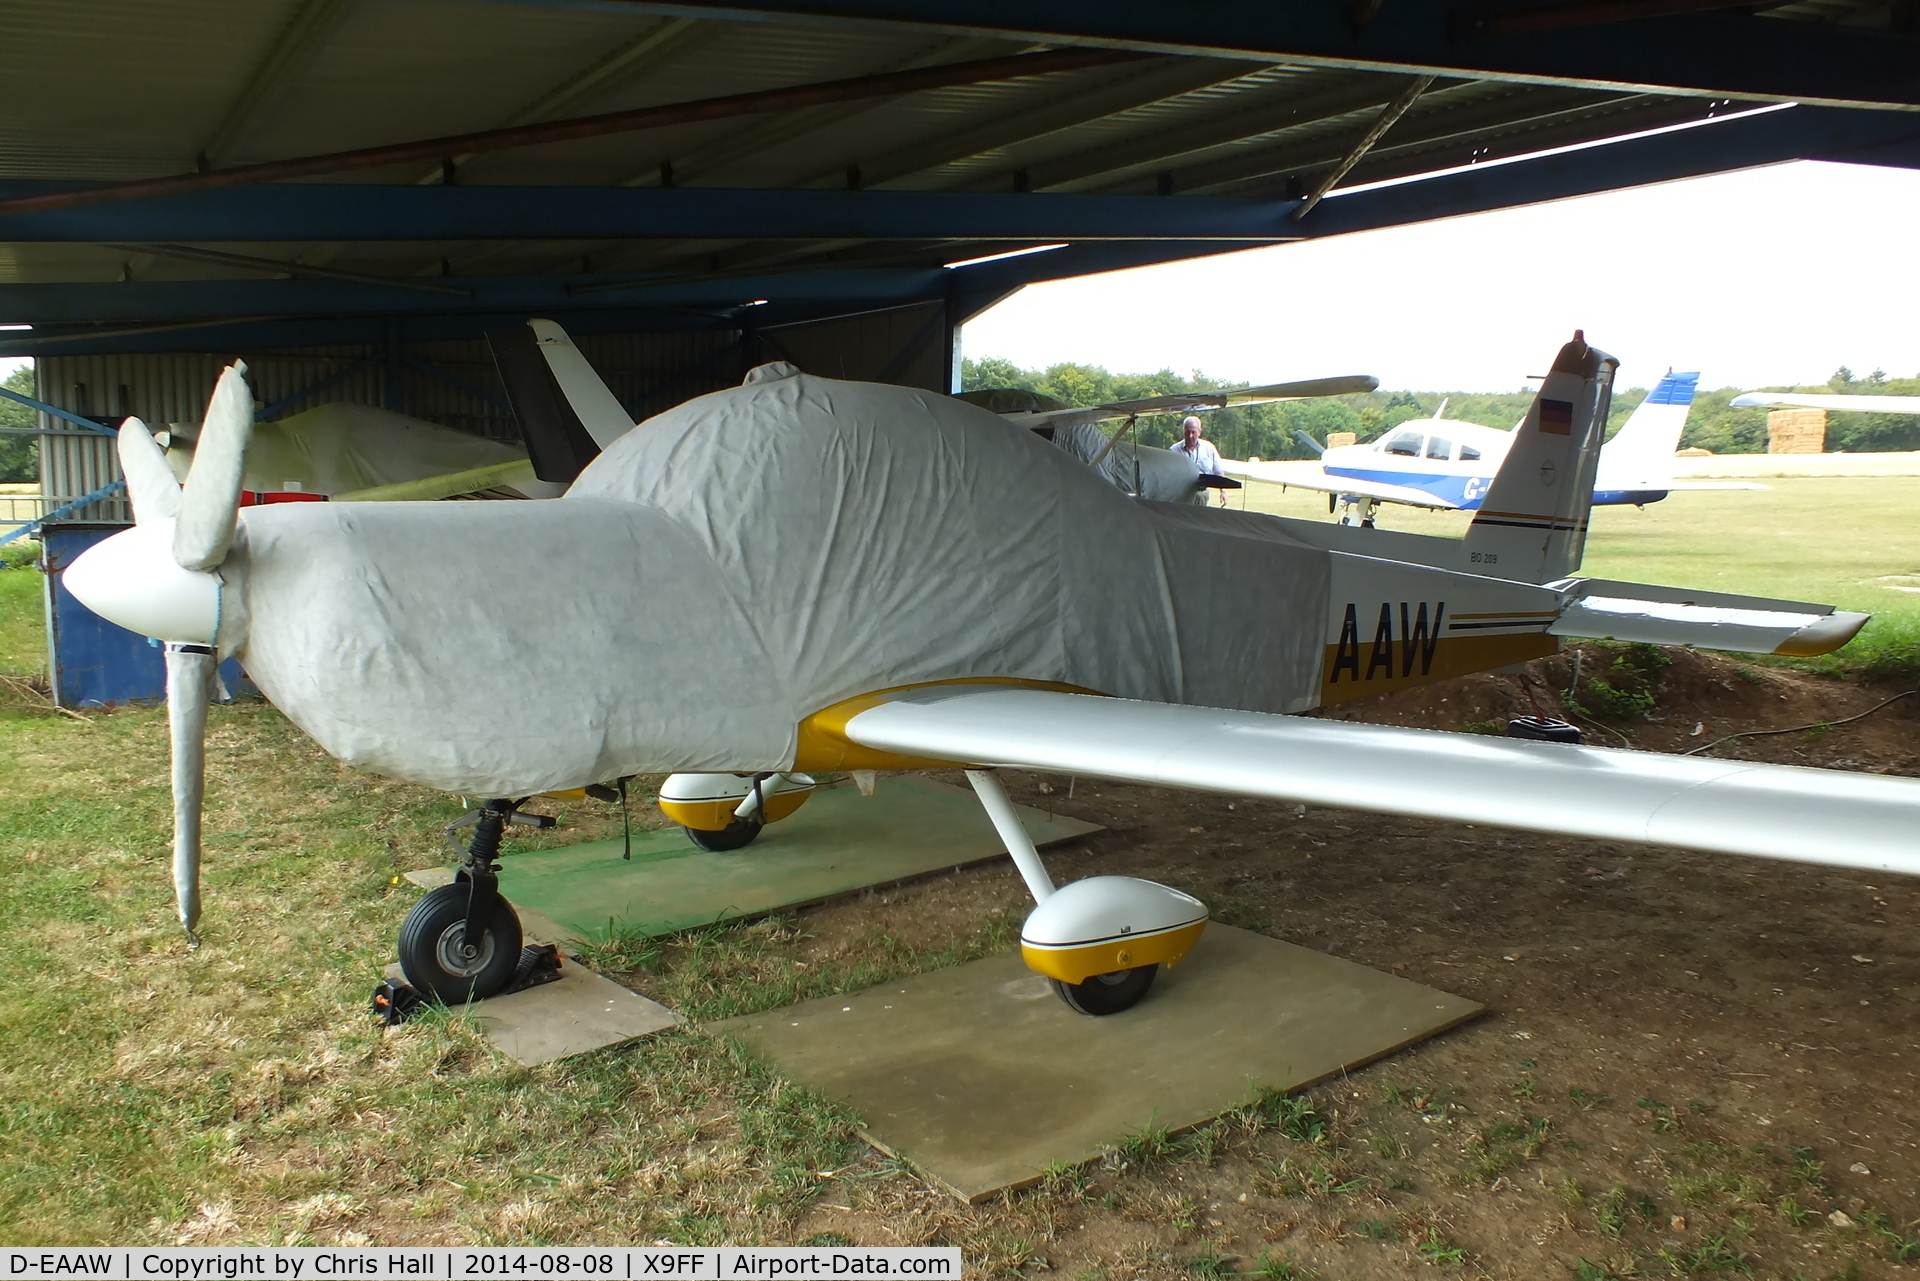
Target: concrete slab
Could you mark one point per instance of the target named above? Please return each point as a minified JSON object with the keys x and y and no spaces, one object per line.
{"x":839,"y":841}
{"x":577,"y":1012}
{"x":981,"y":1077}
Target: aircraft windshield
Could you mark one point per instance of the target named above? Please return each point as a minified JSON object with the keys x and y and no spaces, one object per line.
{"x":1440,"y":448}
{"x":1406,"y":444}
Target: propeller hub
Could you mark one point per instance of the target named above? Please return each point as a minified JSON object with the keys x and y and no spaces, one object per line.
{"x":132,"y":579}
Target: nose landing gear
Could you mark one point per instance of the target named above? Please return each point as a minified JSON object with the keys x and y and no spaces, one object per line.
{"x":462,"y":941}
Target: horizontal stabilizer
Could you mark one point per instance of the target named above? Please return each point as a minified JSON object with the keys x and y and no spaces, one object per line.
{"x":1607,"y":610}
{"x":1735,"y":807}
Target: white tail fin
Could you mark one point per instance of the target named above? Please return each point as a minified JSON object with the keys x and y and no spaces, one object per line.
{"x":1532,"y":525}
{"x":1640,"y":456}
{"x":567,"y":414}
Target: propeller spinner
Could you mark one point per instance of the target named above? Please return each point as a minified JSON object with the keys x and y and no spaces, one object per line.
{"x":161,"y":579}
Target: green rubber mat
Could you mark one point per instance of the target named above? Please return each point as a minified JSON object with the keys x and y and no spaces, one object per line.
{"x":839,"y":841}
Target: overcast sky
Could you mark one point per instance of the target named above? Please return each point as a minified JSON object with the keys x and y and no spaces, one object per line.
{"x":1771,"y":276}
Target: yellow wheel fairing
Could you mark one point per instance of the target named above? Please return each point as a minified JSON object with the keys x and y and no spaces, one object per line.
{"x":706,"y":802}
{"x":1078,"y":962}
{"x":716,"y":816}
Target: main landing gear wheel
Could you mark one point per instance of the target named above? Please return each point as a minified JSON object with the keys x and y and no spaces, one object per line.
{"x":1108,"y":993}
{"x":736,"y":835}
{"x":440,"y":959}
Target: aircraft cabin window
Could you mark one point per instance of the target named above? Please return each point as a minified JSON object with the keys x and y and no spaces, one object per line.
{"x":1468,"y":454}
{"x":1406,"y":444}
{"x":1440,"y":448}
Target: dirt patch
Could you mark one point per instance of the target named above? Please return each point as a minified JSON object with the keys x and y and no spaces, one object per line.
{"x":1691,"y":698}
{"x":1692,"y":1063}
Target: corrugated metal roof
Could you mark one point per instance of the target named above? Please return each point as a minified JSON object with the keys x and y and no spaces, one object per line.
{"x":119,"y":89}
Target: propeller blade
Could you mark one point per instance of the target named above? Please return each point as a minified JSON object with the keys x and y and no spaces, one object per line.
{"x":150,"y":482}
{"x":1344,"y":385}
{"x":210,"y":500}
{"x":190,"y":671}
{"x":1309,"y":441}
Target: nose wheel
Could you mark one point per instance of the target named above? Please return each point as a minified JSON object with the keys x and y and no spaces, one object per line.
{"x":445,"y":957}
{"x":462,"y":941}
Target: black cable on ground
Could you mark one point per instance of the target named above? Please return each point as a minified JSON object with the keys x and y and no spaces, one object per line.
{"x":1798,"y":729}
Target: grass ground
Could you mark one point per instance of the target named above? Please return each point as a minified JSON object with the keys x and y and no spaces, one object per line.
{"x":1851,"y":542}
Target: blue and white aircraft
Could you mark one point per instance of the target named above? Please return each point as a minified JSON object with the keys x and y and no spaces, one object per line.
{"x":1448,"y":465}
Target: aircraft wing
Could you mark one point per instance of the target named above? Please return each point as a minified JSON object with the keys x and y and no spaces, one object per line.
{"x":1702,"y":484}
{"x":1863,"y":404}
{"x":1310,"y":475}
{"x":1735,"y":807}
{"x":1185,"y":401}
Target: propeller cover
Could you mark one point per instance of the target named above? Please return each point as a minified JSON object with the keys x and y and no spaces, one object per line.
{"x":132,"y":579}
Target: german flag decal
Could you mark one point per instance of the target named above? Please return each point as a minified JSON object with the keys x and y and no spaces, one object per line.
{"x":1556,"y":417}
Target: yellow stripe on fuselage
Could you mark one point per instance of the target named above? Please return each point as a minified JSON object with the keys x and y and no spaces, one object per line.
{"x":1452,"y":656}
{"x":824,"y":745}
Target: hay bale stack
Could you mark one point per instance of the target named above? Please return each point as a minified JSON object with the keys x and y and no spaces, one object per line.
{"x":1797,"y":431}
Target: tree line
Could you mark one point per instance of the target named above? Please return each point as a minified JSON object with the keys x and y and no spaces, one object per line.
{"x":1268,"y":431}
{"x":19,"y":455}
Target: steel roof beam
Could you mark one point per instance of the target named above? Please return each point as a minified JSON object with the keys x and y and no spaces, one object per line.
{"x":1766,"y":59}
{"x":166,"y":301}
{"x":1092,"y":168}
{"x":292,"y":48}
{"x":1078,"y":104}
{"x":301,"y":212}
{"x":1715,"y":148}
{"x":1468,"y":126}
{"x":664,"y":115}
{"x":657,"y":44}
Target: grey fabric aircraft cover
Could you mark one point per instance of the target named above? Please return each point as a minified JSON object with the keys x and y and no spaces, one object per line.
{"x":1146,"y":470}
{"x":337,"y":448}
{"x":739,"y":562}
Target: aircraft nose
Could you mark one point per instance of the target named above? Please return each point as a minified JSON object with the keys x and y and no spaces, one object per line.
{"x":132,"y":579}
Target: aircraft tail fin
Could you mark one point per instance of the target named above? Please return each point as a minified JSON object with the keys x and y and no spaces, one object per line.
{"x":567,"y":413}
{"x":1532,"y":524}
{"x":1642,"y":450}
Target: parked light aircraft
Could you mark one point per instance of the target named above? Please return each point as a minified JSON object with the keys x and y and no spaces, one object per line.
{"x":800,"y":574}
{"x":1448,"y":465}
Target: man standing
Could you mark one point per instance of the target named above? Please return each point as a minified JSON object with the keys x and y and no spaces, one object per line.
{"x":1204,"y":456}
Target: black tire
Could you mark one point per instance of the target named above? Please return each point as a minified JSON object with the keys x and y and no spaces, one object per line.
{"x":1108,"y":993}
{"x":431,"y":938}
{"x":736,"y":835}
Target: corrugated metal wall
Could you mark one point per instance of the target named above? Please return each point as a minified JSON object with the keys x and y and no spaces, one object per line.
{"x":904,"y":345}
{"x":452,"y":383}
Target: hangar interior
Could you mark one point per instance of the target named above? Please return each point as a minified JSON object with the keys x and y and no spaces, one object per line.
{"x":350,"y":194}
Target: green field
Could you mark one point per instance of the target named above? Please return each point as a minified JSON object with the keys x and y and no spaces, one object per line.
{"x":1853,"y":542}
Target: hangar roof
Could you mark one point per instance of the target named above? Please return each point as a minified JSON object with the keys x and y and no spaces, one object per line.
{"x":837,"y":154}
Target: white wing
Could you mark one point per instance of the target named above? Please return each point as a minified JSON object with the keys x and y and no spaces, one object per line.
{"x":1774,"y":811}
{"x":1862,"y":404}
{"x":1698,"y":484}
{"x":1311,"y":475}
